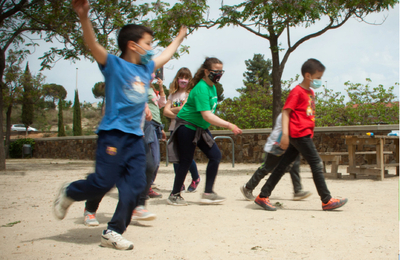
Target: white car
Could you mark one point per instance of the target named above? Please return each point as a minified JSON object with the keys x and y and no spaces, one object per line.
{"x":21,"y":127}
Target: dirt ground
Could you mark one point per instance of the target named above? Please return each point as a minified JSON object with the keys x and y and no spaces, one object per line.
{"x":365,"y":228}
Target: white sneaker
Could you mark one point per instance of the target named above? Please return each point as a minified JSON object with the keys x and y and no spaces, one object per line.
{"x":113,"y":239}
{"x":141,"y":213}
{"x":62,"y":202}
{"x":211,"y":198}
{"x":90,"y":219}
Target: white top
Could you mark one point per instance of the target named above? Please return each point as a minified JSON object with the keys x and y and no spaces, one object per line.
{"x":177,"y":100}
{"x":273,"y":141}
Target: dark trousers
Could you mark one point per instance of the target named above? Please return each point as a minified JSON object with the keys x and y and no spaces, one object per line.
{"x":269,"y":164}
{"x":186,"y":150}
{"x":306,"y":147}
{"x":120,"y":161}
{"x":93,"y":204}
{"x":193,"y":167}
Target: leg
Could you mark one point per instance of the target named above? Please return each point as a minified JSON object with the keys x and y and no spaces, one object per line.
{"x":307,"y":149}
{"x":155,"y":151}
{"x":149,"y":174}
{"x":109,"y":166}
{"x":193,"y":170}
{"x":287,"y":158}
{"x":294,"y":174}
{"x":214,"y":157}
{"x":270,"y":162}
{"x":130,"y":184}
{"x":186,"y":150}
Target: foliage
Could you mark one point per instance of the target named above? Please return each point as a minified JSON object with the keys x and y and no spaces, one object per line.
{"x":366,"y":106}
{"x":77,"y":123}
{"x":27,"y":99}
{"x":253,"y":108}
{"x":61,"y":129}
{"x":16,"y":147}
{"x":54,"y":92}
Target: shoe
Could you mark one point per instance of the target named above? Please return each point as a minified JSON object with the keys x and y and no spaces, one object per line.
{"x":211,"y":198}
{"x":153,"y":194}
{"x":90,"y":219}
{"x":155,"y":186}
{"x":248,"y":194}
{"x":62,"y":202}
{"x":193,"y":185}
{"x":300,"y":195}
{"x":264,"y":203}
{"x":333,"y":204}
{"x":113,"y":239}
{"x":176,"y":200}
{"x":141,"y":213}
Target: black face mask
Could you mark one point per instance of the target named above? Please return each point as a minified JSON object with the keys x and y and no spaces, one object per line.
{"x":215,"y":76}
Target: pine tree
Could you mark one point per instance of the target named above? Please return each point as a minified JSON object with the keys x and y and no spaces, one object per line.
{"x":27,"y":102}
{"x":77,"y":126}
{"x":61,"y":129}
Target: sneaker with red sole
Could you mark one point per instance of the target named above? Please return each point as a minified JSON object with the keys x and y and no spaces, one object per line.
{"x":264,"y":203}
{"x":333,"y":204}
{"x":153,"y":194}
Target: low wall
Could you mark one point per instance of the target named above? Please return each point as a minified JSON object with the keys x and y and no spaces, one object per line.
{"x":248,"y":147}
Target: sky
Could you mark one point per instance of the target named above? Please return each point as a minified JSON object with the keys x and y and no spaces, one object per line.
{"x":353,"y":52}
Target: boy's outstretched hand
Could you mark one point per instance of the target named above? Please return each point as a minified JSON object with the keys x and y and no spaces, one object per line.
{"x":182,"y":32}
{"x":81,"y":7}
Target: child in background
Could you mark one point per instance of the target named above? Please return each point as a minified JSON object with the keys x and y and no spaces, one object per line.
{"x":298,"y":122}
{"x":153,"y":130}
{"x":179,"y":92}
{"x":120,"y":154}
{"x":191,"y":130}
{"x":272,"y":157}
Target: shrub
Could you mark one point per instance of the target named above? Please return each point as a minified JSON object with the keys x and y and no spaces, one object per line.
{"x":16,"y":147}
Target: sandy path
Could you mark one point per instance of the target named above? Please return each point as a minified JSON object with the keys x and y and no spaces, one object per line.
{"x":366,"y":228}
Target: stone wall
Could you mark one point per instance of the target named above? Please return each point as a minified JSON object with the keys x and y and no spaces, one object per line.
{"x":248,"y":147}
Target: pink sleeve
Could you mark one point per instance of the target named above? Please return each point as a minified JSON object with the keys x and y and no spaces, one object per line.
{"x":162,"y":102}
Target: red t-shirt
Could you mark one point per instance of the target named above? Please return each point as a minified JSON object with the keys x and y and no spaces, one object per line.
{"x":302,"y":117}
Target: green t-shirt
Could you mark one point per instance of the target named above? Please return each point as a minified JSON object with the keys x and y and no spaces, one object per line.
{"x":201,"y":98}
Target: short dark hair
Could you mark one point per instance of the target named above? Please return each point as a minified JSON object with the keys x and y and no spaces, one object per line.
{"x":311,"y":66}
{"x":131,"y":32}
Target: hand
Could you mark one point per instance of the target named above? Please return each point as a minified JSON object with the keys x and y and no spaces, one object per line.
{"x":147,"y":111}
{"x":284,"y":142}
{"x":81,"y":7}
{"x":182,"y":32}
{"x":236,"y":130}
{"x":160,"y":85}
{"x":164,"y":136}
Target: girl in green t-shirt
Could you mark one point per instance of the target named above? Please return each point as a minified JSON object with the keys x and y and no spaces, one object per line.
{"x":196,"y":116}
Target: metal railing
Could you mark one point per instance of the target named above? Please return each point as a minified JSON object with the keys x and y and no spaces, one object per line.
{"x":216,"y":137}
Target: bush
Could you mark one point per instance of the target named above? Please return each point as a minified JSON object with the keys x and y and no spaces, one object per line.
{"x":16,"y":147}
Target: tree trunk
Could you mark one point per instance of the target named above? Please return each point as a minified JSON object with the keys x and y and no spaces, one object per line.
{"x":8,"y":130}
{"x":276,"y":79}
{"x":2,"y":152}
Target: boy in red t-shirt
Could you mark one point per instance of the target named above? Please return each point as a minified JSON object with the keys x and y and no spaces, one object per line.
{"x":298,"y":121}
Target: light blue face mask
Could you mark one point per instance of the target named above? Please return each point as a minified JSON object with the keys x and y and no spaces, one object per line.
{"x":147,"y":57}
{"x":316,"y":83}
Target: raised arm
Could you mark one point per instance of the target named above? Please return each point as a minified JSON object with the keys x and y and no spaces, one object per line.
{"x":99,"y":53}
{"x":167,"y":54}
{"x":215,"y":120}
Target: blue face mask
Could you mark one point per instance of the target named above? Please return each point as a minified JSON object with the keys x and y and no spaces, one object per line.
{"x":147,"y":57}
{"x":316,"y":83}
